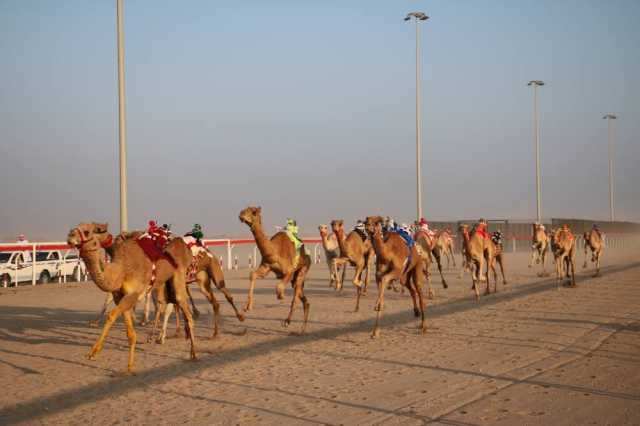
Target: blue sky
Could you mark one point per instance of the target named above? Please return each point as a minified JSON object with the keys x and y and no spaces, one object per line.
{"x":308,"y":109}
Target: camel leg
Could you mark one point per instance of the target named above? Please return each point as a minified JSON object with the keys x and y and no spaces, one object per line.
{"x":108,"y":299}
{"x":367,"y":269}
{"x":476,"y":270}
{"x":533,"y":256}
{"x":341,"y":262}
{"x":161,"y":306}
{"x":131,"y":335}
{"x":259,"y":273}
{"x":384,"y":282}
{"x":597,"y":274}
{"x":204,"y":284}
{"x":216,"y":275}
{"x":437,"y":256}
{"x":501,"y":262}
{"x":430,"y":293}
{"x":584,"y":265}
{"x":298,"y":294}
{"x":357,"y":276}
{"x":417,"y":282}
{"x":572,"y":265}
{"x":196,"y":312}
{"x":181,"y":299}
{"x":167,"y":314}
{"x":125,"y":304}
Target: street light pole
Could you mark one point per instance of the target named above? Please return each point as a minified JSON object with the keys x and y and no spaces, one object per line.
{"x":536,"y":137}
{"x":610,"y":117}
{"x":122,"y":128}
{"x":418,"y":16}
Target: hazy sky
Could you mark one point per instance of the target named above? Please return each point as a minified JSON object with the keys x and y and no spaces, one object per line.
{"x":308,"y":109}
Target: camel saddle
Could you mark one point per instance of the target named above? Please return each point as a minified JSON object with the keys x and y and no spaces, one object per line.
{"x":193,"y":268}
{"x":153,"y":252}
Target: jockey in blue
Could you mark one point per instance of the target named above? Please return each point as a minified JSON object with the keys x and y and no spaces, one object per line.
{"x":405,"y":233}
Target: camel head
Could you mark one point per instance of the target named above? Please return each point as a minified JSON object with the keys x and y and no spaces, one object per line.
{"x":337,"y":226}
{"x":373,"y":224}
{"x":90,"y":236}
{"x":324,"y":230}
{"x":252,"y":216}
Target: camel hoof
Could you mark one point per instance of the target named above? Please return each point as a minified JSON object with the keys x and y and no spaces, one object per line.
{"x":248,"y":307}
{"x":530,"y":266}
{"x":416,"y":313}
{"x":444,"y":284}
{"x":240,"y":317}
{"x":94,"y":324}
{"x":423,"y":330}
{"x":375,"y":334}
{"x":286,"y":323}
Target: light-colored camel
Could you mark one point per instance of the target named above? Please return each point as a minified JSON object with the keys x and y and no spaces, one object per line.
{"x":129,"y":275}
{"x":428,"y":247}
{"x":593,"y":240}
{"x":396,"y":261}
{"x":539,"y":247}
{"x":355,"y":252}
{"x":278,"y":256}
{"x":444,"y":246}
{"x":479,"y":249}
{"x":206,"y":270}
{"x":563,"y":245}
{"x":331,"y":251}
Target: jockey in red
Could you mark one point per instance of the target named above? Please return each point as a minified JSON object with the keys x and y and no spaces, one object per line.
{"x":481,"y":228}
{"x":160,"y":235}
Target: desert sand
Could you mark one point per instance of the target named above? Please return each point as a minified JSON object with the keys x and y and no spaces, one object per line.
{"x":530,"y":354}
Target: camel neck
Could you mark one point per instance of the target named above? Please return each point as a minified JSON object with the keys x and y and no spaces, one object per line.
{"x":96,"y":267}
{"x":379,"y":246}
{"x":341,"y":242}
{"x":263,"y":243}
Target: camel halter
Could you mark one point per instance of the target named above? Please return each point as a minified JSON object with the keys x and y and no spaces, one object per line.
{"x":80,"y":246}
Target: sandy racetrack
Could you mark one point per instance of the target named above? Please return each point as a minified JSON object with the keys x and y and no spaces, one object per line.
{"x":529,"y":355}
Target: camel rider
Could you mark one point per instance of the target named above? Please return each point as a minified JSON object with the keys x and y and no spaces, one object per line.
{"x":388,"y":225}
{"x":405,"y":233}
{"x":481,"y":228}
{"x":291,"y":228}
{"x":360,"y":229}
{"x":424,"y":227}
{"x":497,"y":238}
{"x":159,"y":235}
{"x":598,"y":231}
{"x":196,"y":232}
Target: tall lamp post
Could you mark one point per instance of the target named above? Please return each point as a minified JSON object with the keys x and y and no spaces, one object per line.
{"x":536,"y":137}
{"x":122,"y":127}
{"x":418,"y":16}
{"x":610,"y":117}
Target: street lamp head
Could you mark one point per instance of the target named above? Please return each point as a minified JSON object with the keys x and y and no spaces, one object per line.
{"x":420,"y":16}
{"x":611,"y":116}
{"x":536,"y":82}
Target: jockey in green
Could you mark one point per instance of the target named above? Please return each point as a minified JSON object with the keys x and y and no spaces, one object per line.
{"x":291,"y":228}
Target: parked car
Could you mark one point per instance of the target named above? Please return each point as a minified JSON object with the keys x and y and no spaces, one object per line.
{"x":49,"y":264}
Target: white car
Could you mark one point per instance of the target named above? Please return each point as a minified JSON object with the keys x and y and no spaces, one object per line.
{"x":49,"y":264}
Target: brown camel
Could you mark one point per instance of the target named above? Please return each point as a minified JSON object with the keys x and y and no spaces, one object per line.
{"x":278,"y":256}
{"x":539,"y":247}
{"x":479,"y":249}
{"x":593,"y":240}
{"x":563,"y":244}
{"x":353,"y":251}
{"x":331,"y":251}
{"x":204,"y":270}
{"x":396,"y":261}
{"x":128,"y":275}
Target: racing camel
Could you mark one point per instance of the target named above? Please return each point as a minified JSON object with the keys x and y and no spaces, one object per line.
{"x":278,"y":256}
{"x":129,"y":275}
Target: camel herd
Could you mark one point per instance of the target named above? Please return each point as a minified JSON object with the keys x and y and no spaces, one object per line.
{"x":131,"y":274}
